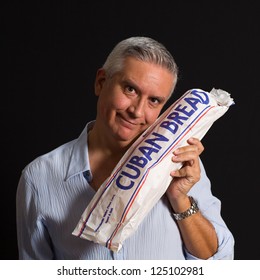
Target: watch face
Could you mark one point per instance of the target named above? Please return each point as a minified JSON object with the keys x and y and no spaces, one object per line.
{"x":192,"y":210}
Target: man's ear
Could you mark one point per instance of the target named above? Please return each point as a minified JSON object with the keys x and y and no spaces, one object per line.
{"x":99,"y":81}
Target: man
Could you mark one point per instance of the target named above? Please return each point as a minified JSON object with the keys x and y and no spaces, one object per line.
{"x":133,"y":85}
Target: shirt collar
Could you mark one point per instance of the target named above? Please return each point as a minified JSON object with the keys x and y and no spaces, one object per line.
{"x":79,"y":161}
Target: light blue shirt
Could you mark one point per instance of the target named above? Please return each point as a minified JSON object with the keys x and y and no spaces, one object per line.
{"x":54,"y":191}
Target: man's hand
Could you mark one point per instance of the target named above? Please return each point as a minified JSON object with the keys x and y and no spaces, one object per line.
{"x":187,"y":175}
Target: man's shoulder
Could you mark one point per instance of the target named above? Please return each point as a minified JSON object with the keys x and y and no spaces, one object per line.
{"x":55,"y":157}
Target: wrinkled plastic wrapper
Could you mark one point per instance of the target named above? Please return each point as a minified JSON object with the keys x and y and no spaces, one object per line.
{"x":143,"y":174}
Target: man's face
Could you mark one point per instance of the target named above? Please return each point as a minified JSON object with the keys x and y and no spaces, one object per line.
{"x":132,"y":99}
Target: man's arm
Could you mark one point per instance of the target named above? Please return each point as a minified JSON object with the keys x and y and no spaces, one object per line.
{"x":32,"y":236}
{"x":199,"y":235}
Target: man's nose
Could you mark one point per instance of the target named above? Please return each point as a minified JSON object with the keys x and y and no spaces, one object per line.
{"x":137,"y":108}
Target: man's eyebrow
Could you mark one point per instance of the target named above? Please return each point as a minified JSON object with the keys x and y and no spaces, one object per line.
{"x":131,"y":82}
{"x":128,"y":81}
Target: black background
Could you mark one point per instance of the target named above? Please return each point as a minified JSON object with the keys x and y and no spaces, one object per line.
{"x":52,"y":50}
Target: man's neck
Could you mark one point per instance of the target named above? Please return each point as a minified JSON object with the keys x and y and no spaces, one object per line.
{"x":97,"y":141}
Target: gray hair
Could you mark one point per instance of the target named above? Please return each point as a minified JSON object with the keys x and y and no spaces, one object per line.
{"x":141,"y":48}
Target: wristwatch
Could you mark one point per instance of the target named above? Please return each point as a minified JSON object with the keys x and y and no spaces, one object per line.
{"x":192,"y":210}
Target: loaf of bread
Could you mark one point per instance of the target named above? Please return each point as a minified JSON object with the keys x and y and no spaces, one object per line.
{"x":143,"y":174}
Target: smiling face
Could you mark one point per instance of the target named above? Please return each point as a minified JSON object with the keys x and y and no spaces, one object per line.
{"x":131,"y":100}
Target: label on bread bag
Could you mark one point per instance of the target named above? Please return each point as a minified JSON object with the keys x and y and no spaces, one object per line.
{"x":143,"y":174}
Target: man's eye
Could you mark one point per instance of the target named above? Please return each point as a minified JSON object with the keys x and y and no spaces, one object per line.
{"x":155,"y":100}
{"x":130,"y":89}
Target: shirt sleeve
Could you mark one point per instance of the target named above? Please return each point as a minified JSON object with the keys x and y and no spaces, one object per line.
{"x":210,"y":207}
{"x":32,"y":236}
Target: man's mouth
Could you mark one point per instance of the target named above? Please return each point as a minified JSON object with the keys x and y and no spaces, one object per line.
{"x":127,"y":122}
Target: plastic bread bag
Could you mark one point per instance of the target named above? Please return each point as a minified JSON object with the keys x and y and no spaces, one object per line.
{"x":143,"y":174}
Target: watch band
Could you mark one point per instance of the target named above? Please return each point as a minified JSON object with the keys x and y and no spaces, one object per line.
{"x":192,"y":210}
